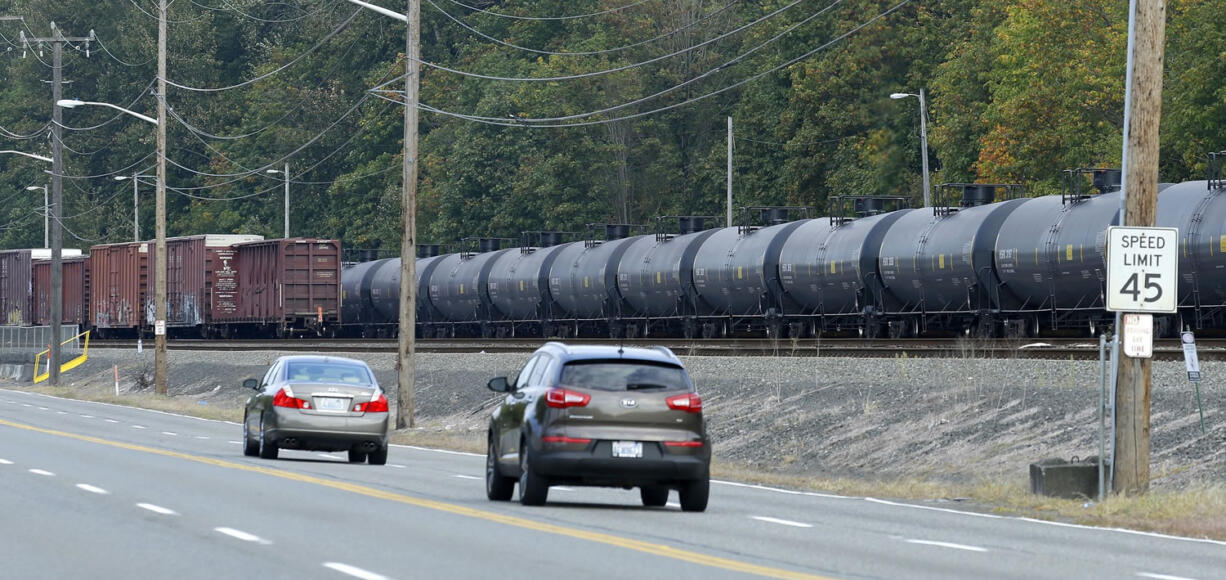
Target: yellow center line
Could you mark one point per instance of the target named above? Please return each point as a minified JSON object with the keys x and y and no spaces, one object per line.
{"x":608,"y":539}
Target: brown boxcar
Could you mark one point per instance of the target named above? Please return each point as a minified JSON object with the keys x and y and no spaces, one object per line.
{"x":75,"y":272}
{"x":118,"y":284}
{"x":17,"y":283}
{"x":201,"y":282}
{"x":288,"y":285}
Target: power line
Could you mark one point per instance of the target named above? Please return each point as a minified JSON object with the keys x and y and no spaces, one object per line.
{"x":504,"y":123}
{"x":120,"y":60}
{"x":231,"y":8}
{"x":672,"y":32}
{"x":325,"y":39}
{"x":548,"y":18}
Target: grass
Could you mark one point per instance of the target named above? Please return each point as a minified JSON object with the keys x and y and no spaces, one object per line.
{"x":1195,"y":512}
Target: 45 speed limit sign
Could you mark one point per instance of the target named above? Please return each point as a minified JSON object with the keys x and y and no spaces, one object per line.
{"x":1142,"y":269}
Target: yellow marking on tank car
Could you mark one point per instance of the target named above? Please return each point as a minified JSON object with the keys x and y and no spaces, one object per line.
{"x":658,"y":278}
{"x":1068,"y":253}
{"x":740,"y":272}
{"x":585,"y":282}
{"x":941,"y":262}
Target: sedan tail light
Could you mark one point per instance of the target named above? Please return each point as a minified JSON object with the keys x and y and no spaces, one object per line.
{"x":689,"y":402}
{"x":559,"y":398}
{"x":286,"y":399}
{"x":378,"y":405}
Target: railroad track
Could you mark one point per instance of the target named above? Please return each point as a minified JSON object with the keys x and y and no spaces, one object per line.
{"x":1064,"y":349}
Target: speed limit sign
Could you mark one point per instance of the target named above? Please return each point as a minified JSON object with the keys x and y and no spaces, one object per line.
{"x":1142,"y":269}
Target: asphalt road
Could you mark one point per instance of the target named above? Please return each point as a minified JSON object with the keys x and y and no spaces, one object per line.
{"x":99,"y":491}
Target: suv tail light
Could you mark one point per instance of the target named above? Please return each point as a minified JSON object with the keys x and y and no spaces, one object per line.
{"x":286,"y":399}
{"x":559,"y":398}
{"x":378,"y":405}
{"x":689,"y":402}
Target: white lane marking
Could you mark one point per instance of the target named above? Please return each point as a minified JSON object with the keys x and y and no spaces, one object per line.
{"x":397,"y":466}
{"x":935,"y":509}
{"x":782,"y":522}
{"x":26,"y":405}
{"x":43,"y":409}
{"x":947,"y":545}
{"x":237,"y":442}
{"x":471,"y":477}
{"x":241,"y":535}
{"x":138,"y":427}
{"x":88,"y":416}
{"x":61,"y":412}
{"x":125,"y":407}
{"x":354,"y":571}
{"x":779,"y":490}
{"x":92,"y":489}
{"x":5,"y":462}
{"x":157,"y":509}
{"x":111,"y":421}
{"x":42,"y":472}
{"x":172,"y":434}
{"x":443,"y":451}
{"x":327,"y":456}
{"x":202,"y":437}
{"x":1161,"y":576}
{"x":562,"y":488}
{"x":673,"y":504}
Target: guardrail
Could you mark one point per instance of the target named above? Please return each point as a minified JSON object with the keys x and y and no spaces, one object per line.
{"x":65,"y":366}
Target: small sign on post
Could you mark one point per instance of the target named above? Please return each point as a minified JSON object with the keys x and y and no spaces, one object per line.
{"x":1193,"y":365}
{"x":159,"y":327}
{"x":1139,"y":335}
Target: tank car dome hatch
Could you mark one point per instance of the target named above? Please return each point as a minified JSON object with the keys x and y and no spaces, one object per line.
{"x":1049,"y":252}
{"x":489,"y":245}
{"x":1107,"y":180}
{"x":427,"y":250}
{"x":736,"y":271}
{"x":1200,"y":215}
{"x":616,"y":231}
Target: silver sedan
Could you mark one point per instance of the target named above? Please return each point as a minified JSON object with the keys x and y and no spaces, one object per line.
{"x":317,"y":403}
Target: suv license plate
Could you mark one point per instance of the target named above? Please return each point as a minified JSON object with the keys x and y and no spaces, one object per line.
{"x":627,"y":449}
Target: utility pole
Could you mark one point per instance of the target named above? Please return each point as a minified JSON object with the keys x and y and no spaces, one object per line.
{"x":406,"y":369}
{"x":1143,"y":111}
{"x":56,"y":40}
{"x":135,"y":210}
{"x":286,"y":200}
{"x":729,"y":171}
{"x":159,"y":290}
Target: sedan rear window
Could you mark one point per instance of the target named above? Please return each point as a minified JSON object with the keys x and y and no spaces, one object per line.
{"x":345,"y":374}
{"x":623,"y":375}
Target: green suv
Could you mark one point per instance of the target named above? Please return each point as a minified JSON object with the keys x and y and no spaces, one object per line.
{"x":599,"y":416}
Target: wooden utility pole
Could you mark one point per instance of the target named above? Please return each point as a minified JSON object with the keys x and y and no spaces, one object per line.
{"x":56,"y":40}
{"x":405,"y":369}
{"x":159,"y":288}
{"x":1144,"y":110}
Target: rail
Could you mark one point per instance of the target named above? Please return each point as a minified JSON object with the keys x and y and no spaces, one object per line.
{"x":66,"y":366}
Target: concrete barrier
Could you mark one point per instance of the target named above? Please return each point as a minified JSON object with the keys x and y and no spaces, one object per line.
{"x":1076,"y":479}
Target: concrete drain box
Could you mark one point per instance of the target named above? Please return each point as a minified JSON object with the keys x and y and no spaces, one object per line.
{"x":1076,"y":479}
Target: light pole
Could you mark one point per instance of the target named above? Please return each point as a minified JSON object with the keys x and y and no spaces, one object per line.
{"x":923,"y":137}
{"x":46,"y":214}
{"x":135,"y":201}
{"x":286,"y":173}
{"x":159,"y":288}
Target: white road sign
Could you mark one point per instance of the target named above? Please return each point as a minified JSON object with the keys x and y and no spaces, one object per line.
{"x":1139,"y":335}
{"x":1189,"y":356}
{"x":1142,"y":269}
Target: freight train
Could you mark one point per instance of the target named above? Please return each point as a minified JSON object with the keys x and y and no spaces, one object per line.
{"x":982,"y":263}
{"x":216,"y":286}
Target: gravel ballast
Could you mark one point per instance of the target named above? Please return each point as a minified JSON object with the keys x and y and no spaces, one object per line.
{"x":947,"y":419}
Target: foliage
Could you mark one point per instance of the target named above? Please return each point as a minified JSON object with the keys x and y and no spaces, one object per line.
{"x":1016,"y":92}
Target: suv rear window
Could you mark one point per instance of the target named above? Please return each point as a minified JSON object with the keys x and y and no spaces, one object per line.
{"x":624,"y":375}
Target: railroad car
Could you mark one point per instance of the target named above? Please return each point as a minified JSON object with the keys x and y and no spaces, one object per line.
{"x":17,"y":303}
{"x":74,"y":291}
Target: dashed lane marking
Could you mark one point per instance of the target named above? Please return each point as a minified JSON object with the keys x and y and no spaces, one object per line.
{"x":354,"y":571}
{"x":170,"y":433}
{"x":157,"y":509}
{"x":770,"y":520}
{"x":92,"y":489}
{"x":642,"y":546}
{"x":947,"y":545}
{"x":241,"y":535}
{"x":1162,"y":576}
{"x":139,"y":427}
{"x":42,"y":472}
{"x":469,"y":477}
{"x":5,"y":462}
{"x":111,"y":421}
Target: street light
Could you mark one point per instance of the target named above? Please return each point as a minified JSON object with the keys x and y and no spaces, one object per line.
{"x":923,"y":136}
{"x":159,"y":268}
{"x":46,"y":214}
{"x":286,"y":173}
{"x":135,"y":201}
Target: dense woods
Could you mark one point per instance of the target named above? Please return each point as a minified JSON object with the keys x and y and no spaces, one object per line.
{"x":638,"y":90}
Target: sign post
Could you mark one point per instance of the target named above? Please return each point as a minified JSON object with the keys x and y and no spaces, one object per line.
{"x":1193,"y":364}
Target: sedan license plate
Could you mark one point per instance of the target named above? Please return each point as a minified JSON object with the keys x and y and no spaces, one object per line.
{"x":335,"y":404}
{"x":627,"y":449}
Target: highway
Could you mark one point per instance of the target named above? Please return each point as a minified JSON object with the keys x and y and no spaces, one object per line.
{"x":101,"y":491}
